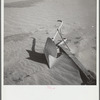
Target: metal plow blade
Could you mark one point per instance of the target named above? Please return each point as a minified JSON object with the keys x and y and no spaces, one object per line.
{"x":50,"y":52}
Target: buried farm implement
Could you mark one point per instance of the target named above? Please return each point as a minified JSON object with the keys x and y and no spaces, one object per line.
{"x":51,"y":53}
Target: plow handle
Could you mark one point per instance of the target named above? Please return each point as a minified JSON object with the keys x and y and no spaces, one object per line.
{"x":58,"y":29}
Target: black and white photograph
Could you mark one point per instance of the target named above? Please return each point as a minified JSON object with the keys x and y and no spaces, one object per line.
{"x":50,"y":42}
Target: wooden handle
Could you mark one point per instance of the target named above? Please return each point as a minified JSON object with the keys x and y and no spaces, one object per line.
{"x":58,"y":29}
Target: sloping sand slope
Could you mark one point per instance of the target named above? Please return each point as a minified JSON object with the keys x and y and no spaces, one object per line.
{"x":29,"y":20}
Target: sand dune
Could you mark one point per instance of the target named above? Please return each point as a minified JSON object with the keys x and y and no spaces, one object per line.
{"x":26,"y":20}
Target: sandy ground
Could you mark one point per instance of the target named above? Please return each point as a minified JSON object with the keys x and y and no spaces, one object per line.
{"x":26,"y":20}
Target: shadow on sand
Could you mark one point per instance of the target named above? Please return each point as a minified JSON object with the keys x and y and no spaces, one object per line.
{"x":22,"y":4}
{"x":35,"y":56}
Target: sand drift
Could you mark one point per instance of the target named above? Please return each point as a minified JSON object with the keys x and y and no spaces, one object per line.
{"x":29,"y":24}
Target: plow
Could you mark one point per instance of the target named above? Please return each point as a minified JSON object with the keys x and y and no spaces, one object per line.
{"x":52,"y":49}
